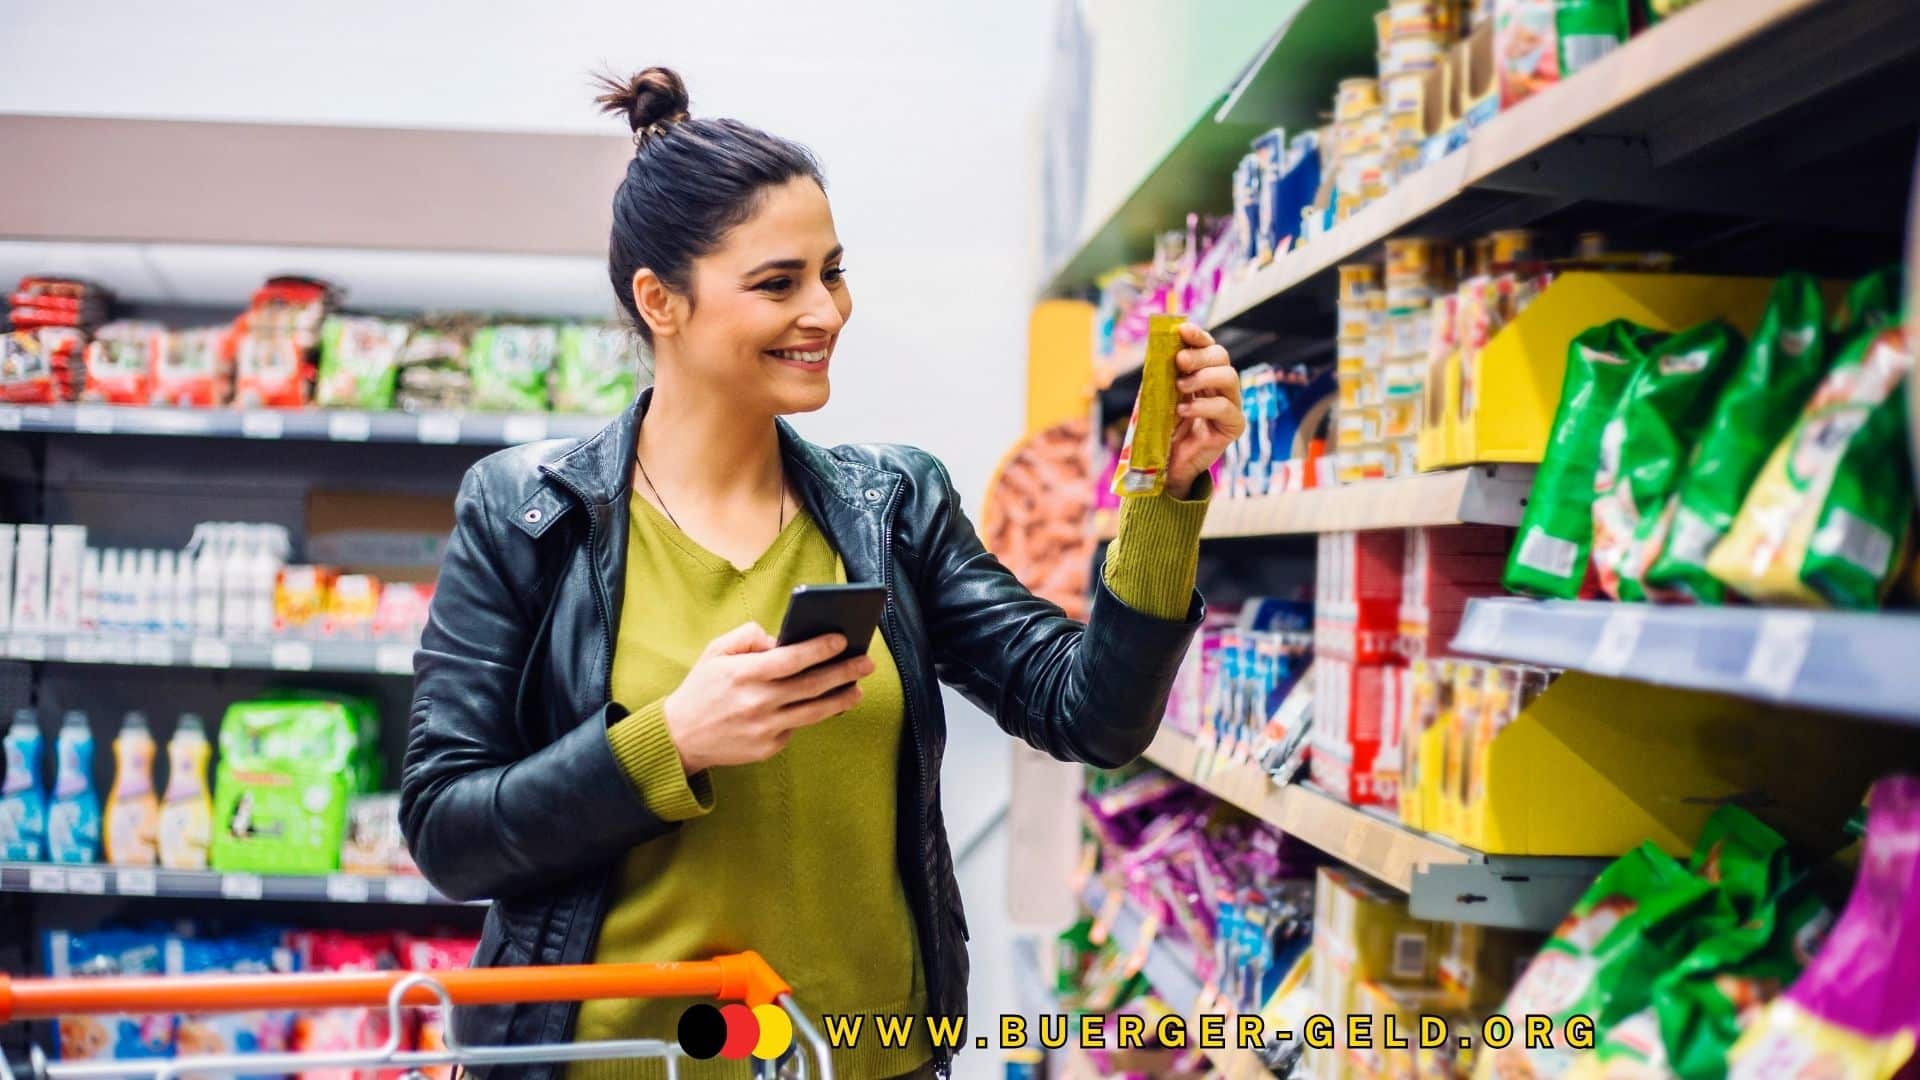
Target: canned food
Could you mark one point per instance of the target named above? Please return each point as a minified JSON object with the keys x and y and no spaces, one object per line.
{"x":1354,"y":97}
{"x":1383,"y":27}
{"x":1349,"y":384}
{"x":1356,"y":320}
{"x":1420,"y":17}
{"x":1402,"y":457}
{"x":1509,"y":246}
{"x":1415,"y":260}
{"x":1356,"y":279}
{"x":1409,"y":332}
{"x":1401,"y":416}
{"x":1350,"y":431}
{"x":1405,"y":93}
{"x":1405,"y":378}
{"x":1415,"y":52}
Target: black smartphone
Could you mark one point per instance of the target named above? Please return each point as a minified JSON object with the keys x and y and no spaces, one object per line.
{"x":852,"y":610}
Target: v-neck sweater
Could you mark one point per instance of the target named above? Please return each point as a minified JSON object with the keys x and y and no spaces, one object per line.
{"x":794,"y":856}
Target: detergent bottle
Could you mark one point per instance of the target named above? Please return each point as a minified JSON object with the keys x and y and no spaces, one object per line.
{"x":23,"y":798}
{"x":133,"y":811}
{"x":73,"y":814}
{"x":186,"y":812}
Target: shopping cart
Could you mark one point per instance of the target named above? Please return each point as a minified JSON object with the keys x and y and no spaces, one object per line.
{"x":741,"y":977}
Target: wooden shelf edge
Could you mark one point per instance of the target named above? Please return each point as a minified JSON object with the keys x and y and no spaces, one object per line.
{"x":1476,"y":495}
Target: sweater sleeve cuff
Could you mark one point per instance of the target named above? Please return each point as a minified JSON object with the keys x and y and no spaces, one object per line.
{"x":646,"y":752}
{"x":1153,"y":561}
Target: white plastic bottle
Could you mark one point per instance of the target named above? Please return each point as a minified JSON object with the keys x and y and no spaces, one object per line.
{"x":236,"y":560}
{"x":110,"y":590}
{"x":270,"y":554}
{"x":146,"y":596}
{"x":206,"y":580}
{"x":183,"y":611}
{"x":90,"y":591}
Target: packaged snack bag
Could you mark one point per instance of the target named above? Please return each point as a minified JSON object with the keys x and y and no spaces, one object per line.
{"x":121,"y":361}
{"x":37,"y":366}
{"x":344,"y":1028}
{"x":1781,"y":368}
{"x":1539,"y":42}
{"x":1871,"y":305}
{"x":232,"y":1033}
{"x":510,"y":365}
{"x":275,"y":340}
{"x":1645,"y":445}
{"x":597,"y":369}
{"x":1556,"y":532}
{"x":195,"y":369}
{"x":1854,"y":1013}
{"x":359,"y":360}
{"x":109,"y":953}
{"x":1145,"y":455}
{"x":1827,"y":521}
{"x":435,"y":954}
{"x":286,"y":771}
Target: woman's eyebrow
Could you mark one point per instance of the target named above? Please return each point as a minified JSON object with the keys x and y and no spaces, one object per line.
{"x":795,"y":264}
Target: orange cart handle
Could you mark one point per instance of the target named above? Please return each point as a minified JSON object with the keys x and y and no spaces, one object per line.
{"x":736,"y":977}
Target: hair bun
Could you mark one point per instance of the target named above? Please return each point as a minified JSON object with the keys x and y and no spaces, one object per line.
{"x":651,"y":101}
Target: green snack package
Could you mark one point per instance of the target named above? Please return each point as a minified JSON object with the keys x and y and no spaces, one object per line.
{"x":1781,"y":368}
{"x":1556,"y":532}
{"x":510,"y":365}
{"x":1827,"y":521}
{"x":359,"y":358}
{"x":1645,"y":445}
{"x":596,"y":369}
{"x":1871,"y":305}
{"x":280,"y":793}
{"x":1638,"y":918}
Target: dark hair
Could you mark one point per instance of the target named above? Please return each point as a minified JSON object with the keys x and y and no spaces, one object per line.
{"x":690,"y":181}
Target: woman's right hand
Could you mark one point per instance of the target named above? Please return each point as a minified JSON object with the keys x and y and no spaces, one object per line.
{"x":746,"y":695}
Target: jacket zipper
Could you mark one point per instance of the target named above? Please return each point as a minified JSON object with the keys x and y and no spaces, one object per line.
{"x":941,"y":1054}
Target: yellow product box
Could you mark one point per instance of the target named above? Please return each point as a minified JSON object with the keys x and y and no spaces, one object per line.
{"x":1392,"y":1028}
{"x":1400,"y":416}
{"x":1350,"y":429}
{"x":1373,"y":394}
{"x":1401,"y":457}
{"x":1357,"y":280}
{"x":1363,"y":931}
{"x":1349,"y":385}
{"x":1479,"y":964}
{"x":1356,"y":320}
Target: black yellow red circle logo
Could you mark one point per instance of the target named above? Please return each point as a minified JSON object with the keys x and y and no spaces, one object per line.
{"x":735,"y":1032}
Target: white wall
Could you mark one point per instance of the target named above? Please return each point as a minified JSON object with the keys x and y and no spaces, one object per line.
{"x":922,"y":114}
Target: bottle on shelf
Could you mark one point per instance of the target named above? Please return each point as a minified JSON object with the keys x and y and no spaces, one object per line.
{"x":236,"y":558}
{"x":133,"y":813}
{"x":145,"y":601}
{"x":23,"y":799}
{"x":90,"y":590}
{"x":183,"y":609}
{"x":73,"y":814}
{"x":205,"y":551}
{"x":186,"y":812}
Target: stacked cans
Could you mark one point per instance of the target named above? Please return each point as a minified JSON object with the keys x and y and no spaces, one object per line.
{"x":1360,"y":364}
{"x":1419,"y":272}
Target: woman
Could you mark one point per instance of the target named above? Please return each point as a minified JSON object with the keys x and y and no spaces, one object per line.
{"x":606,"y":741}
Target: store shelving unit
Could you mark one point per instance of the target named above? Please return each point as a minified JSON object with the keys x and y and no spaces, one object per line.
{"x":1677,"y":118}
{"x":218,"y":654}
{"x":1483,"y":495}
{"x":1444,"y":881}
{"x":311,"y":425}
{"x":156,"y":883}
{"x":1846,"y":662}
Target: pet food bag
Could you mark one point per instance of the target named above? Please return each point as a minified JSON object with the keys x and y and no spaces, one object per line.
{"x":359,"y":360}
{"x":109,"y":1037}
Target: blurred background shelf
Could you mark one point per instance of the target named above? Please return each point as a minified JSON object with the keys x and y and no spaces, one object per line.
{"x":157,"y":883}
{"x":321,"y":425}
{"x":168,"y":651}
{"x":1482,"y":495}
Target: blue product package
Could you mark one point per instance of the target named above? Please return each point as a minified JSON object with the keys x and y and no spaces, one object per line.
{"x":115,"y":1037}
{"x":1258,"y":379}
{"x":255,"y":953}
{"x":23,"y":795}
{"x":1275,"y":227}
{"x":1246,"y":205}
{"x":73,"y":812}
{"x":1299,"y":183}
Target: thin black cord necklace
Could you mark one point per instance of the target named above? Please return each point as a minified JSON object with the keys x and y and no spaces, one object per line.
{"x":782,"y":527}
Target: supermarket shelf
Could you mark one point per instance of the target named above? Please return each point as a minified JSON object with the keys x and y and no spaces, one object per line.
{"x":1705,"y":84}
{"x":163,"y":650}
{"x":1483,"y":495}
{"x":1444,"y":881}
{"x":1846,"y":662}
{"x":320,"y":425}
{"x":150,"y":883}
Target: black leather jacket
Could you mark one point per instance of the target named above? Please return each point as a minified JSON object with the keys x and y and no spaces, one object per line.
{"x":511,"y":791}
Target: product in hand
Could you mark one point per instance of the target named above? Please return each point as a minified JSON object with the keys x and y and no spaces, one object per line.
{"x":1148,"y":450}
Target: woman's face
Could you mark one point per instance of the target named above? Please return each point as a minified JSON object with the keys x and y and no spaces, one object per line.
{"x":768,"y":305}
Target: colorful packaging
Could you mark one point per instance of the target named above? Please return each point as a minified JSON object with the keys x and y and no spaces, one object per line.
{"x":259,"y":1032}
{"x":435,"y":954}
{"x":359,"y":360}
{"x":1853,"y":1013}
{"x":1539,"y":42}
{"x":73,"y":812}
{"x":334,"y":1030}
{"x":510,"y":366}
{"x":1556,"y":529}
{"x":195,"y":369}
{"x":287,"y":769}
{"x":374,"y":844}
{"x":1782,"y":366}
{"x":1827,"y":521}
{"x":109,"y":1037}
{"x":597,"y":369}
{"x":1148,"y":449}
{"x":133,"y":811}
{"x":274,"y":343}
{"x":23,"y":797}
{"x":1645,"y":445}
{"x":186,"y":811}
{"x":1871,"y":305}
{"x":121,"y":360}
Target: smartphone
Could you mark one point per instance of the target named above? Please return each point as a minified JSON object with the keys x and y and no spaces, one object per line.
{"x":852,"y":610}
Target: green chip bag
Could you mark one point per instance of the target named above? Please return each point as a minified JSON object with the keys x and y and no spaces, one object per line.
{"x":359,"y":358}
{"x":1556,"y":532}
{"x":1645,"y":445}
{"x":1871,"y":305}
{"x":510,"y":365}
{"x":1828,"y":519}
{"x":1781,"y":368}
{"x":596,"y":369}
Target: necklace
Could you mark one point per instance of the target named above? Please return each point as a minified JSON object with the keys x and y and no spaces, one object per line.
{"x":780,"y":528}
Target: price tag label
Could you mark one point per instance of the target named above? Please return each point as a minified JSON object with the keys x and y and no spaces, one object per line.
{"x":1779,"y":651}
{"x":46,"y":879}
{"x":262,"y":425}
{"x":27,"y":647}
{"x":393,"y":659}
{"x":210,"y":653}
{"x":348,"y":889}
{"x":291,"y":656}
{"x":90,"y":882}
{"x":9,"y":418}
{"x":439,"y":428}
{"x":242,"y":886}
{"x":82,"y":650}
{"x":1619,"y":636}
{"x":408,"y":890}
{"x":137,"y":883}
{"x":349,"y":427}
{"x":1103,"y":922}
{"x":153,"y":650}
{"x":93,"y":420}
{"x":524,"y":429}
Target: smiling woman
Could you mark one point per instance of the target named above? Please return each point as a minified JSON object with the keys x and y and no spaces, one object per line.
{"x":631,"y":772}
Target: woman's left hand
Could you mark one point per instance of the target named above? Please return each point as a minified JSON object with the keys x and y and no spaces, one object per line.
{"x":1211,"y":418}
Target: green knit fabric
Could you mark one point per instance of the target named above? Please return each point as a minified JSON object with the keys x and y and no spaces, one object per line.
{"x":794,"y":856}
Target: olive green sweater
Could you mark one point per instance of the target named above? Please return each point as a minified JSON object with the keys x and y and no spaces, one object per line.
{"x":793,"y":856}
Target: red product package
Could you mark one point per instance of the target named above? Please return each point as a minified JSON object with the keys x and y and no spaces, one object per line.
{"x":274,"y":343}
{"x":344,"y":1029}
{"x":402,"y":612}
{"x":1356,"y":718}
{"x":40,"y":366}
{"x":195,"y":369}
{"x":120,"y":362}
{"x":435,"y":954}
